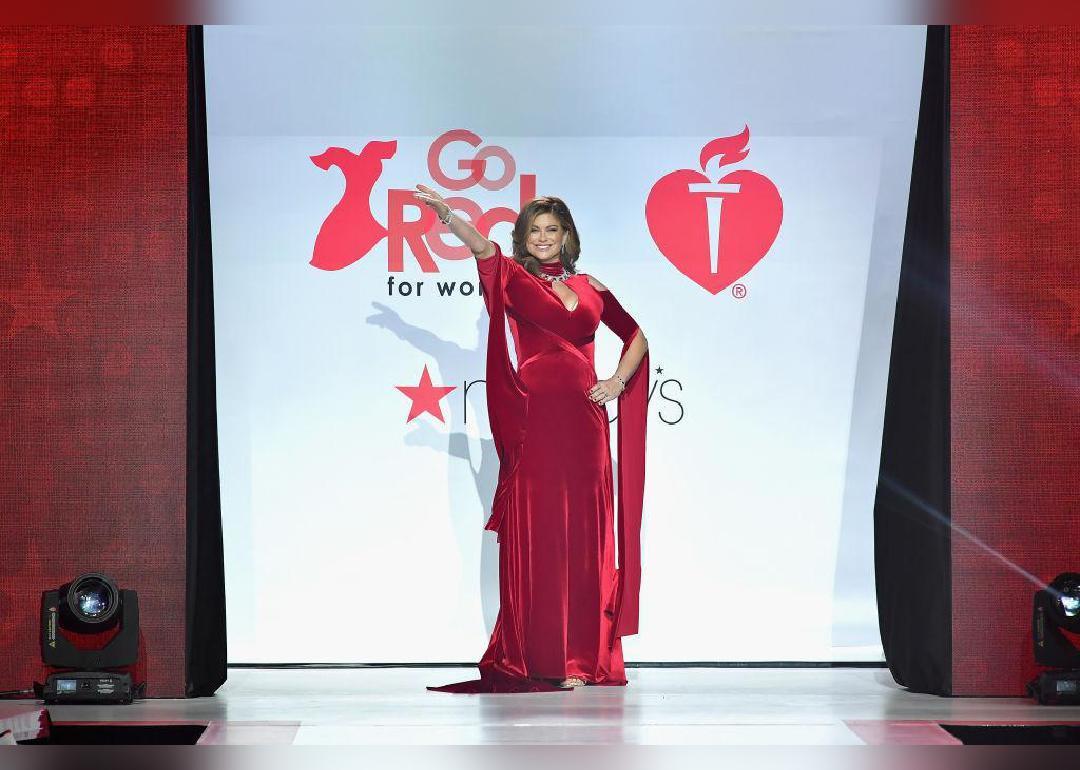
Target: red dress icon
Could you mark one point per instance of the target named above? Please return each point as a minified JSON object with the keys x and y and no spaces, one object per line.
{"x":564,"y":605}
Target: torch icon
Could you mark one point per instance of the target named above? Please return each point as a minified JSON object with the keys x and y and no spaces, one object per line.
{"x":693,"y":214}
{"x":714,"y":194}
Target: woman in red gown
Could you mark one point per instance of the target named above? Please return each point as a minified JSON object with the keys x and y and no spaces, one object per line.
{"x":564,"y":605}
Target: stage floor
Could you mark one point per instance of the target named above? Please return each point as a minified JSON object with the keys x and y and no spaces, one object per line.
{"x":661,"y":706}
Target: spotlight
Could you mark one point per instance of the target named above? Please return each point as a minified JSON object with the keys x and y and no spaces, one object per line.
{"x":1057,"y":609}
{"x":93,"y":599}
{"x":103,"y":623}
{"x":1068,"y":594}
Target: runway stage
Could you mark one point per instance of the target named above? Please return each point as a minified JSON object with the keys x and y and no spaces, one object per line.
{"x":661,"y":706}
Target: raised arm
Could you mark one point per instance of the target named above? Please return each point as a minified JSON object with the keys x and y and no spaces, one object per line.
{"x":480,"y":246}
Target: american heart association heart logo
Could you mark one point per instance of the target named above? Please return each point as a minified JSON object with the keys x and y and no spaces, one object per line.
{"x":714,"y":233}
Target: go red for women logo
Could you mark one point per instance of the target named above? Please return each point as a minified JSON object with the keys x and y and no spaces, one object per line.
{"x":351,"y":231}
{"x":714,"y":233}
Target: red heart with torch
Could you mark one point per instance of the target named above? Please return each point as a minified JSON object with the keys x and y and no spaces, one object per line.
{"x":714,"y":233}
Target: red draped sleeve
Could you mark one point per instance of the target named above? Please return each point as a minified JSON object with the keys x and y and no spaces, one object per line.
{"x":616,"y":318}
{"x":633,"y":411}
{"x":506,"y":397}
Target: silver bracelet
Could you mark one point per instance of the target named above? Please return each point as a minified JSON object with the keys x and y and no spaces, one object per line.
{"x":620,"y":379}
{"x":446,"y":221}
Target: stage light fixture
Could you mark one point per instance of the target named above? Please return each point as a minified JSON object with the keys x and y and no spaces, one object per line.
{"x":93,"y":599}
{"x":105,"y":621}
{"x":1057,"y":610}
{"x":1069,"y":597}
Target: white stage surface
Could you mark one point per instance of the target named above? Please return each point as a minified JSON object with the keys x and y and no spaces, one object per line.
{"x":661,"y":706}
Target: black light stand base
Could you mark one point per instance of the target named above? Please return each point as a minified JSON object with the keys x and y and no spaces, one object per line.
{"x":88,"y":687}
{"x":1056,"y":688}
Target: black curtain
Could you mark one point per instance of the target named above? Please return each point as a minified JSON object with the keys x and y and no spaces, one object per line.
{"x":205,"y":643}
{"x":912,"y":543}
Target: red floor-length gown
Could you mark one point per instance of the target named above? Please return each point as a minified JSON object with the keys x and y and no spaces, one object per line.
{"x":564,"y":605}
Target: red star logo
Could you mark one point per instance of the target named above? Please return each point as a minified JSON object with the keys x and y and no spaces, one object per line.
{"x":35,"y":304}
{"x":425,"y":397}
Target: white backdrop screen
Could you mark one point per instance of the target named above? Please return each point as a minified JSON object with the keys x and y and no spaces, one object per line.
{"x":353,"y":533}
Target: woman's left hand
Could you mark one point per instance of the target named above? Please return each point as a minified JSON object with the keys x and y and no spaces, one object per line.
{"x":605,"y":390}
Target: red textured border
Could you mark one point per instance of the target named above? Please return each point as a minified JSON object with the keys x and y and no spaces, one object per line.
{"x":1015,"y":337}
{"x":93,"y":256}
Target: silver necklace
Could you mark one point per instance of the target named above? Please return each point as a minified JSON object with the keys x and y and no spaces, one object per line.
{"x":553,"y":278}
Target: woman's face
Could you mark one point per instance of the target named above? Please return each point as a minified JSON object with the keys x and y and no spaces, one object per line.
{"x":545,"y":237}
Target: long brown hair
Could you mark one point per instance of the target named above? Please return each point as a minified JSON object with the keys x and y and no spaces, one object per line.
{"x":547,"y":204}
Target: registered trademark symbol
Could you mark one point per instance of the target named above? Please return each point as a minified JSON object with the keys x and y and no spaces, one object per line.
{"x":738,"y":291}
